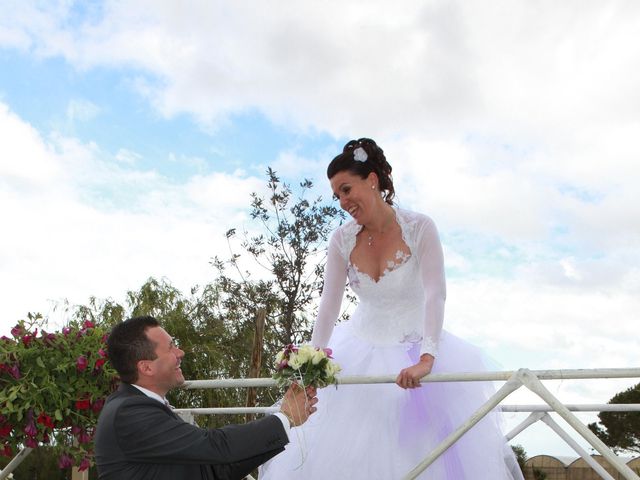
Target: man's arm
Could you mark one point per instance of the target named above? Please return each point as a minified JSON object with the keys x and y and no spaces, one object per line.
{"x":148,"y":433}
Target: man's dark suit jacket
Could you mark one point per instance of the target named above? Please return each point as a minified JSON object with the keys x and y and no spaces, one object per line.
{"x":139,"y":438}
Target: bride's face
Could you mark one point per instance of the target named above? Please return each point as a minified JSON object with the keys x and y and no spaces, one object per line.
{"x":357,"y":195}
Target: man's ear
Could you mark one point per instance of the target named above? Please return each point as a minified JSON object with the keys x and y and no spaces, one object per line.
{"x":145,"y":368}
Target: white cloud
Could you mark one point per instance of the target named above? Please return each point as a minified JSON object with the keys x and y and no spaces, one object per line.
{"x":79,"y":225}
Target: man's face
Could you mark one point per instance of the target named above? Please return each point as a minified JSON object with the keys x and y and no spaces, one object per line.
{"x":165,"y":369}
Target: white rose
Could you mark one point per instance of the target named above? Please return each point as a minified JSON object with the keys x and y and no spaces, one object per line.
{"x":318,"y":356}
{"x":332,"y":369}
{"x":294,"y":361}
{"x":305,"y":352}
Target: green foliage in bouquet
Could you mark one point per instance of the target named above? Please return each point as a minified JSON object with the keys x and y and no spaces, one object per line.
{"x":52,"y":388}
{"x":305,"y":365}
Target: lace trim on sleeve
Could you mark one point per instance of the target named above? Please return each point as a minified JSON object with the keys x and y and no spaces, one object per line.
{"x":349,"y":232}
{"x":429,"y":346}
{"x":407,"y":226}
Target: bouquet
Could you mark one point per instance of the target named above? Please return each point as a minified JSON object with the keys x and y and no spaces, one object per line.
{"x":306,"y":365}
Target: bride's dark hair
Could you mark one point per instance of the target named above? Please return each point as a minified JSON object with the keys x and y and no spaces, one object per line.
{"x":375,"y":162}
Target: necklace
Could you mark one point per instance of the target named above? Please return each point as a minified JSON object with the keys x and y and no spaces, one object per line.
{"x":382,"y":230}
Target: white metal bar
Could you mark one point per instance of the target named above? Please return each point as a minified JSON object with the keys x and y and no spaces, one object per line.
{"x":509,"y":387}
{"x":551,"y":423}
{"x":568,"y":374}
{"x":605,"y":407}
{"x":526,"y":423}
{"x":227,"y":410}
{"x":536,"y":386}
{"x":15,"y":461}
{"x":586,"y":407}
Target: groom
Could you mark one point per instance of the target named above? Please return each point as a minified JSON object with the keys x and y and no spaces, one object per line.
{"x":139,"y":437}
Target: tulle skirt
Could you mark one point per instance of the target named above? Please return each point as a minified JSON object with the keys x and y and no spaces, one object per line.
{"x":383,"y":431}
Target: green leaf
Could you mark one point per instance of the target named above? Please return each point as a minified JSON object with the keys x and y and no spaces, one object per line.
{"x":40,"y":362}
{"x":58,"y":415}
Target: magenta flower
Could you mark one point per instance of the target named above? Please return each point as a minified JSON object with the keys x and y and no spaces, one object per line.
{"x":84,"y":437}
{"x":31,"y":442}
{"x":5,"y":430}
{"x":65,"y":461}
{"x":7,"y":451}
{"x":84,"y":464}
{"x":14,"y":371}
{"x":97,"y":405}
{"x":31,"y":429}
{"x":66,"y":331}
{"x":45,"y":420}
{"x":99,"y":363}
{"x":81,"y":363}
{"x":17,"y":331}
{"x":83,"y":404}
{"x":49,"y":338}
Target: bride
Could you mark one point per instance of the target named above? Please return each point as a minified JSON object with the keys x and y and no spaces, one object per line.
{"x":392,"y":259}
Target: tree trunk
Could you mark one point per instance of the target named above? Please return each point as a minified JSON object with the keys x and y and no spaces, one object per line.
{"x":256,"y":359}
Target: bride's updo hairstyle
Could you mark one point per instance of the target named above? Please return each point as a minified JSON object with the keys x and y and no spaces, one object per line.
{"x":373,"y":160}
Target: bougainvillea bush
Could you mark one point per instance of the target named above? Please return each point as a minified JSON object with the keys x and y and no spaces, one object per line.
{"x":52,"y":388}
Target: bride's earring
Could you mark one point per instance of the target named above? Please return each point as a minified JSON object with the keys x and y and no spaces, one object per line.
{"x":373,"y":187}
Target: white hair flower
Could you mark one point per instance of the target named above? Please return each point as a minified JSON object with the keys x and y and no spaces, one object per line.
{"x":359,"y":155}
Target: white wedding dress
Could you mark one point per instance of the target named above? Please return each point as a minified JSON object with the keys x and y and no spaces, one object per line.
{"x":383,"y":431}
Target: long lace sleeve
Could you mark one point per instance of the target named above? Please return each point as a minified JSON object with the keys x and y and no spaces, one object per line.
{"x":431,"y":263}
{"x":335,"y":277}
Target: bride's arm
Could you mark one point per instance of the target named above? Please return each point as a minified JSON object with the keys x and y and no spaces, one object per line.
{"x":431,"y":262}
{"x":335,"y":277}
{"x":435,"y":291}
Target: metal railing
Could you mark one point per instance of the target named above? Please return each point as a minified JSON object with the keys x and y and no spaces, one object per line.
{"x":530,"y":379}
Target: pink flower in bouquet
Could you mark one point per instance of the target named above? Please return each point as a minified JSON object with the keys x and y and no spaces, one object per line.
{"x":306,"y":365}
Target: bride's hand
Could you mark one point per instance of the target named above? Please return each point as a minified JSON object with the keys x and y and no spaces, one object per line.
{"x":410,"y":377}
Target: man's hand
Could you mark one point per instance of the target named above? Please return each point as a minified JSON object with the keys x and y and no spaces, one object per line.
{"x":410,"y":377}
{"x":298,"y":404}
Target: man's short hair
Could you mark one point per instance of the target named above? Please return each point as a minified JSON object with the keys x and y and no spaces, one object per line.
{"x":128,"y":344}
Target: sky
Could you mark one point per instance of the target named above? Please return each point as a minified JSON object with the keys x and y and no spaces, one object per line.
{"x":132,"y":134}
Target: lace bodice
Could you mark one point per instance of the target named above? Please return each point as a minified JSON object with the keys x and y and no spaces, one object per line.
{"x":405,"y":305}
